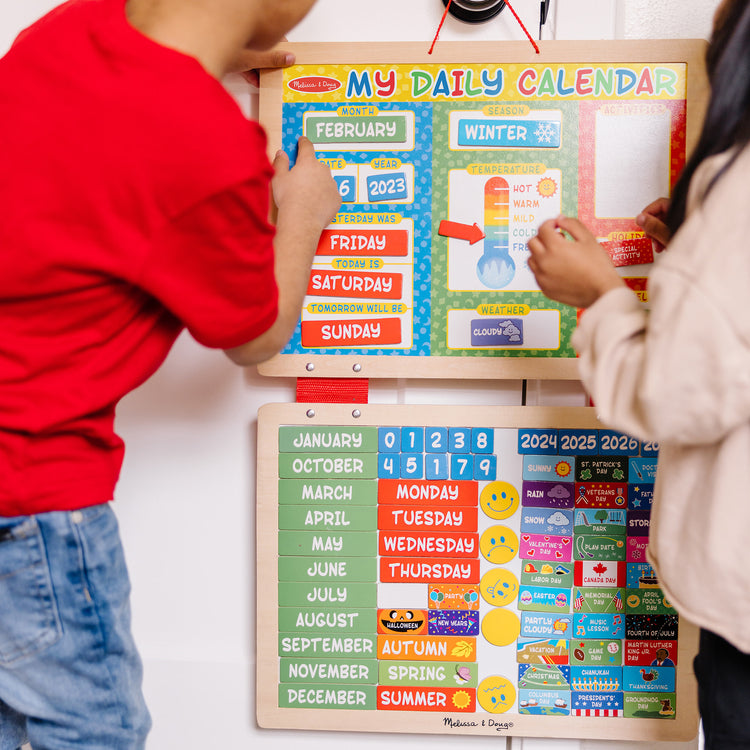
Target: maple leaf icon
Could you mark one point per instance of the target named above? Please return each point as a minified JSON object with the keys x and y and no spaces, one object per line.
{"x":600,"y":568}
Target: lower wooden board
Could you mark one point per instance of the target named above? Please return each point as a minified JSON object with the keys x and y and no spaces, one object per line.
{"x":463,"y":571}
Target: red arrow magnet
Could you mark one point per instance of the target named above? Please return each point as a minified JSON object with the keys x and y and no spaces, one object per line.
{"x":470,"y":232}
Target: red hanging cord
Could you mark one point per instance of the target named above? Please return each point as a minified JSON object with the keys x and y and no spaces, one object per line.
{"x":525,"y":30}
{"x":520,"y":23}
{"x":440,"y":26}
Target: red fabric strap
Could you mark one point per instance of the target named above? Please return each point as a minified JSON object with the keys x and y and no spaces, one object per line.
{"x":332,"y":390}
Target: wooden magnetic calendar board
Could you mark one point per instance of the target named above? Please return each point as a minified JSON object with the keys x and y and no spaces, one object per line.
{"x":446,"y":165}
{"x":463,"y":571}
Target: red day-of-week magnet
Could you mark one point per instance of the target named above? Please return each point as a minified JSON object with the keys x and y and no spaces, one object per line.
{"x":426,"y":518}
{"x":380,"y":242}
{"x":444,"y":570}
{"x":349,"y":284}
{"x":402,"y":491}
{"x":428,"y":544}
{"x":363,"y":332}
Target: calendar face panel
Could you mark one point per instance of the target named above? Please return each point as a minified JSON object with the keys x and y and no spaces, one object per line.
{"x":447,"y":166}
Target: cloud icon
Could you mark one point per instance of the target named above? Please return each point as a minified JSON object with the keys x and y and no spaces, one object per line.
{"x":558,"y":491}
{"x":558,"y":519}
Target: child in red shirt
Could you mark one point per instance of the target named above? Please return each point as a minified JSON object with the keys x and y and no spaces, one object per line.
{"x":135,"y":201}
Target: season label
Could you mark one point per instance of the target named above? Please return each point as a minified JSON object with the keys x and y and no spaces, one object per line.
{"x":427,"y":648}
{"x":443,"y":699}
{"x":443,"y":674}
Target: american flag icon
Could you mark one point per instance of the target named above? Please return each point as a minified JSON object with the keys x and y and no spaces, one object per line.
{"x":618,"y":600}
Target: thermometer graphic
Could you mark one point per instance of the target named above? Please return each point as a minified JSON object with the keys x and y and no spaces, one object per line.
{"x":496,"y":268}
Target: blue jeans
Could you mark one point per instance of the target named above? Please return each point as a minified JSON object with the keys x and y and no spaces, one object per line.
{"x":723,"y":675}
{"x":70,"y":675}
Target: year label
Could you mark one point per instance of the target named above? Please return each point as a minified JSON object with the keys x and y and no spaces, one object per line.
{"x":387,"y":187}
{"x":583,"y":442}
{"x":537,"y":441}
{"x":616,"y":443}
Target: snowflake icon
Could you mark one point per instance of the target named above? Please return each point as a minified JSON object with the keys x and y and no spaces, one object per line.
{"x":545,"y":132}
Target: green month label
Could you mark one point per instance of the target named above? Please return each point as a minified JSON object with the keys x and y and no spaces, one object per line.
{"x":361,"y":698}
{"x":348,"y":570}
{"x":331,"y":595}
{"x":325,"y":544}
{"x":340,"y":671}
{"x":328,"y":645}
{"x":317,"y":465}
{"x":328,"y":439}
{"x":337,"y":492}
{"x":304,"y":619}
{"x":355,"y":518}
{"x":380,"y":129}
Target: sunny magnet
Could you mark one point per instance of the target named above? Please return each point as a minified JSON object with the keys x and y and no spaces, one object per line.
{"x":496,"y":694}
{"x":499,"y":500}
{"x":498,"y":544}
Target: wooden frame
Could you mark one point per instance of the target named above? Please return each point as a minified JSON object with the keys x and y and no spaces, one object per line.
{"x":272,"y":417}
{"x":493,"y":365}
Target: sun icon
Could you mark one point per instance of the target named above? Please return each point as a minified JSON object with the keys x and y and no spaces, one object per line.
{"x":562,"y":469}
{"x":461,"y":699}
{"x":546,"y":187}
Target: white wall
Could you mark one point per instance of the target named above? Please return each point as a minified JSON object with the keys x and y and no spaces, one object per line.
{"x":185,"y":500}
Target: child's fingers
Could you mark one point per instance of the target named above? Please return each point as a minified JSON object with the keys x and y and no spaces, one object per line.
{"x":305,"y":149}
{"x":574,"y":228}
{"x":658,"y":208}
{"x":281,"y":162}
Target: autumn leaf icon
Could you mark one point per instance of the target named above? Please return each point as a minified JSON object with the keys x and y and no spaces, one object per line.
{"x":463,"y":649}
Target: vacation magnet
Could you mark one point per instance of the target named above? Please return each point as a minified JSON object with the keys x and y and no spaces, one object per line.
{"x":542,"y":651}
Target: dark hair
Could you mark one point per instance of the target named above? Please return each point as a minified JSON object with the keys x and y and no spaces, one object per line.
{"x":727,"y":122}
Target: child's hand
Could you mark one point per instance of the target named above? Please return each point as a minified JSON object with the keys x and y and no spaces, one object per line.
{"x":307,"y":190}
{"x":652,"y":221}
{"x":250,"y":62}
{"x":575,"y":272}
